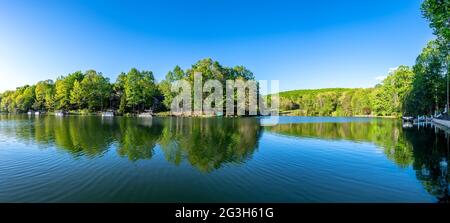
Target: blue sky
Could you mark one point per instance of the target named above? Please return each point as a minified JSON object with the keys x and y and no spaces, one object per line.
{"x":304,"y":44}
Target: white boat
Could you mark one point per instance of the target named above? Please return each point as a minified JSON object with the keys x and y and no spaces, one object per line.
{"x":145,"y":115}
{"x":108,"y":114}
{"x":59,"y":113}
{"x":408,"y":125}
{"x":37,"y":113}
{"x":408,"y":118}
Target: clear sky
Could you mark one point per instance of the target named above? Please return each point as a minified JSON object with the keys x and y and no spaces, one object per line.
{"x":304,"y":44}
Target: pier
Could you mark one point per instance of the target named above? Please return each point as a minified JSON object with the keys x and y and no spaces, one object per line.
{"x":438,"y":122}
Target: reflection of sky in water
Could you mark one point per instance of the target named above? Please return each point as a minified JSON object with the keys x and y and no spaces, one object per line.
{"x":271,"y":120}
{"x":344,"y":170}
{"x":220,"y":159}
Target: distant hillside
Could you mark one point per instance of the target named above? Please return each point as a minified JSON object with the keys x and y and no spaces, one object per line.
{"x":327,"y":102}
{"x":292,"y":93}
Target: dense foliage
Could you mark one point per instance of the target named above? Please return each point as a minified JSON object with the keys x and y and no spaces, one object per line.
{"x":135,"y":91}
{"x":432,"y":65}
{"x":421,"y":89}
{"x":386,"y":99}
{"x":438,"y":13}
{"x":325,"y":102}
{"x":210,"y":70}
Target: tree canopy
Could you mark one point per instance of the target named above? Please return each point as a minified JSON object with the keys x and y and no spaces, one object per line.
{"x":132,"y":92}
{"x":438,"y":14}
{"x":421,"y":89}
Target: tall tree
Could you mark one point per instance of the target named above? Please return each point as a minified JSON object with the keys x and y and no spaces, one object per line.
{"x":389,"y":97}
{"x":428,"y":90}
{"x":140,"y":89}
{"x":62,"y":92}
{"x":63,"y":87}
{"x":165,"y":86}
{"x":132,"y":91}
{"x":50,"y":99}
{"x":95,"y":89}
{"x":6,"y":101}
{"x":23,"y":99}
{"x":149,"y":89}
{"x":43,"y":88}
{"x":438,"y":13}
{"x":77,"y":96}
{"x":119,"y":92}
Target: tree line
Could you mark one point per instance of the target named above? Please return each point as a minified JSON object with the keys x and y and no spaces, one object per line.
{"x":132,"y":92}
{"x":385,"y":99}
{"x":420,"y":89}
{"x":417,"y":90}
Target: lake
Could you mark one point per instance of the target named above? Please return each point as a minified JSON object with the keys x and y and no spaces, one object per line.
{"x":301,"y":159}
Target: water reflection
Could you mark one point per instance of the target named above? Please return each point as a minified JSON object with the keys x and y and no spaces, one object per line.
{"x":206,"y":143}
{"x":425,"y":149}
{"x":136,"y":138}
{"x":431,"y":153}
{"x":385,"y":133}
{"x":210,"y":143}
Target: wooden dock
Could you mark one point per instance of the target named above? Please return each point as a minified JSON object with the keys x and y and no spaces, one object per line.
{"x":442,"y":122}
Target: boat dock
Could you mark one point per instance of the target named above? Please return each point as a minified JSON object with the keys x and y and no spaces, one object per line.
{"x":410,"y":121}
{"x":437,"y":122}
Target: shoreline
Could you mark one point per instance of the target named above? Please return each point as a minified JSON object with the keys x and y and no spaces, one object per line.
{"x":166,"y":114}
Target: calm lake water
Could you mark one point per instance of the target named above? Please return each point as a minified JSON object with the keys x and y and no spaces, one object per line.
{"x":94,"y":159}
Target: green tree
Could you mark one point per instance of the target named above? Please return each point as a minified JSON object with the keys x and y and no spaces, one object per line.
{"x":428,"y":88}
{"x":213,"y":70}
{"x":133,"y":93}
{"x":50,"y":100}
{"x":165,"y":86}
{"x":328,"y":102}
{"x":61,"y":94}
{"x":95,"y":89}
{"x":7,"y":100}
{"x":438,"y":13}
{"x":77,"y":95}
{"x":140,"y":89}
{"x":63,"y":87}
{"x":119,"y":92}
{"x":344,"y":107}
{"x":26,"y":100}
{"x":209,"y":69}
{"x":389,"y":97}
{"x":149,"y":89}
{"x":43,"y":88}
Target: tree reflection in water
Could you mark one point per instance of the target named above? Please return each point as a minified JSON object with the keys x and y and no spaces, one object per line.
{"x":210,"y":143}
{"x":431,"y":154}
{"x":425,"y":149}
{"x":206,"y":143}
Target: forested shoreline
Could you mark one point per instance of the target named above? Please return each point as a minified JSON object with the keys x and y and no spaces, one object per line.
{"x":385,"y":99}
{"x":417,"y":90}
{"x":132,"y":92}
